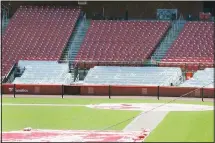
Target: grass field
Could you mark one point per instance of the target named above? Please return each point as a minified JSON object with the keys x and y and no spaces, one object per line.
{"x":185,"y":127}
{"x":177,"y":126}
{"x":82,"y":118}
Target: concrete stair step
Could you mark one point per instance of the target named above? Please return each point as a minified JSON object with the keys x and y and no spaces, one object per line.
{"x":76,"y":40}
{"x":167,"y":41}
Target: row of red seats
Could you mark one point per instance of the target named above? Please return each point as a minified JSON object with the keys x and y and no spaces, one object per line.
{"x":121,"y":40}
{"x":37,"y":33}
{"x":194,"y":44}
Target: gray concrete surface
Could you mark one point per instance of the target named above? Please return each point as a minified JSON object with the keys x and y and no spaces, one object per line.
{"x":148,"y":120}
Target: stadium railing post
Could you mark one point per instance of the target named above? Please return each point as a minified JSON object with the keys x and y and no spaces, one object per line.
{"x":62,"y":92}
{"x":14,"y":90}
{"x":109,"y":93}
{"x":202,"y":94}
{"x":158,"y":92}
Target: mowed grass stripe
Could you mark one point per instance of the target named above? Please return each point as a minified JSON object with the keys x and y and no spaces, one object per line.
{"x":75,"y":118}
{"x":184,"y":127}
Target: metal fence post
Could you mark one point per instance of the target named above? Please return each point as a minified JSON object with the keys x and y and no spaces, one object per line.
{"x":202,"y":95}
{"x":109,"y":92}
{"x":158,"y":92}
{"x":62,"y":92}
{"x":14,"y":90}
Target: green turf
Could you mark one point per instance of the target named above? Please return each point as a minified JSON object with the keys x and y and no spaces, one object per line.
{"x":185,"y":127}
{"x":177,"y":126}
{"x":46,"y":117}
{"x":94,"y":101}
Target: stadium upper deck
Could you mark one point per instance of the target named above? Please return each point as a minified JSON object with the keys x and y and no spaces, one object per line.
{"x":42,"y":33}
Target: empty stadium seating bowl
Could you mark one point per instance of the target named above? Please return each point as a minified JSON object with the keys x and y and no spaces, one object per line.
{"x":114,"y":75}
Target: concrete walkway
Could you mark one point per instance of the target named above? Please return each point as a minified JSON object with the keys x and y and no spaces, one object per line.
{"x":148,"y":120}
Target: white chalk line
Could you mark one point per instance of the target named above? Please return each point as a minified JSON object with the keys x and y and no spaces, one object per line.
{"x":119,"y":106}
{"x":62,"y":105}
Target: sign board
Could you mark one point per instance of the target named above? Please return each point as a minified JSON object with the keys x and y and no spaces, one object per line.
{"x":90,"y":90}
{"x":37,"y":89}
{"x":82,"y":2}
{"x":167,"y":14}
{"x":18,"y":90}
{"x":144,"y":91}
{"x":197,"y":93}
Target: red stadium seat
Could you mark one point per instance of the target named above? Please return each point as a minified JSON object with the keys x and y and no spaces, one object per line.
{"x":193,"y":45}
{"x":37,"y":33}
{"x":121,"y":40}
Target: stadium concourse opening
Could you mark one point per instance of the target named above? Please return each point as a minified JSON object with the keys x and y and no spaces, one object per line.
{"x":75,"y":45}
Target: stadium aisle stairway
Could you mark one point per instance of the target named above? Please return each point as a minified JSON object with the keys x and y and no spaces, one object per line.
{"x":195,"y":44}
